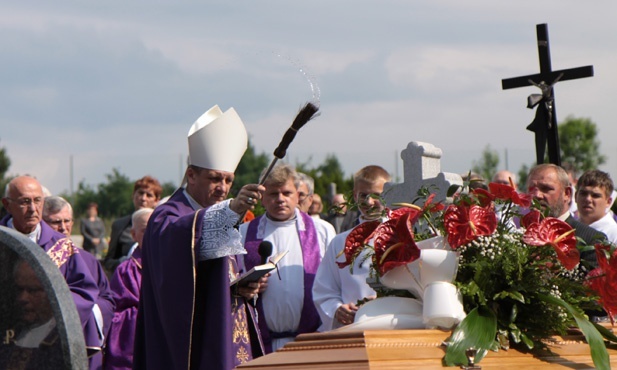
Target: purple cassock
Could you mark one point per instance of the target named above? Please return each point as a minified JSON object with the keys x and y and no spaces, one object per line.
{"x":103,"y":311}
{"x":187,"y":317}
{"x":125,"y":285}
{"x":77,"y":274}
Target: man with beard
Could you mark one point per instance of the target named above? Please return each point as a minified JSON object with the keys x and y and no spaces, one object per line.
{"x":549,"y":185}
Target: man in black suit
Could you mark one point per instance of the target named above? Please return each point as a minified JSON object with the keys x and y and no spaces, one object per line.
{"x":549,"y":185}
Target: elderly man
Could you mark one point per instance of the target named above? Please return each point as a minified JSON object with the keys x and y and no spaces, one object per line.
{"x":594,"y":197}
{"x":188,"y":317}
{"x":316,"y":207}
{"x":337,"y":290}
{"x":125,"y":285}
{"x":341,"y":218}
{"x":58,"y":214}
{"x":549,"y":185}
{"x":24,"y":204}
{"x":146,"y":194}
{"x":306,"y":198}
{"x":505,"y":177}
{"x":286,"y":307}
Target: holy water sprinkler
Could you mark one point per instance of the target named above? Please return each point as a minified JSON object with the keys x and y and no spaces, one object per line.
{"x":308,"y":112}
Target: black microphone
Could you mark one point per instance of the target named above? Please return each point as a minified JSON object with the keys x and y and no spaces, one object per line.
{"x":265,"y":251}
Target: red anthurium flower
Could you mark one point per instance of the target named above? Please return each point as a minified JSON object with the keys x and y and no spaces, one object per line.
{"x":603,"y":280}
{"x":534,"y":216}
{"x":413,"y":212}
{"x":394,"y":243}
{"x":557,"y":234}
{"x":507,"y":192}
{"x":465,"y":223}
{"x":484,"y":197}
{"x":355,"y":241}
{"x":430,"y":207}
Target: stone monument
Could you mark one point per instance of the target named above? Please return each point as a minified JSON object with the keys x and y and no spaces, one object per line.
{"x":421,"y":167}
{"x":39,"y":324}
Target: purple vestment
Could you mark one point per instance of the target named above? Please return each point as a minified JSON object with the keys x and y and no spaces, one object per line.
{"x":309,"y":319}
{"x":106,"y":305}
{"x":77,"y":274}
{"x":125,"y":284}
{"x":185,"y":312}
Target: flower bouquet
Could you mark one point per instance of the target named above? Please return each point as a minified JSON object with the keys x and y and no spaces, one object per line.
{"x":520,"y":277}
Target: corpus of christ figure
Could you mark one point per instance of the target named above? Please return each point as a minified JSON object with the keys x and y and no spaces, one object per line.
{"x":545,"y":122}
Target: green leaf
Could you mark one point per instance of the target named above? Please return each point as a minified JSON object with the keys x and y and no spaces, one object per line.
{"x":528,"y":342}
{"x":605,"y":332}
{"x":514,"y":313}
{"x":517,"y":296}
{"x":478,"y":330}
{"x":453,"y":189}
{"x":515,"y":333}
{"x":599,"y":354}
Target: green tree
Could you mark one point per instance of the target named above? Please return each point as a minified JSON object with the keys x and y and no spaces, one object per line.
{"x":168,"y":188}
{"x":116,"y":196}
{"x":5,"y":163}
{"x":487,"y":165}
{"x":523,"y":173}
{"x":250,"y":167}
{"x":329,"y":172}
{"x":579,"y":145}
{"x":80,"y":199}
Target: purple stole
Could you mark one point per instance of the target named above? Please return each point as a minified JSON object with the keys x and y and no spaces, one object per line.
{"x":309,"y":318}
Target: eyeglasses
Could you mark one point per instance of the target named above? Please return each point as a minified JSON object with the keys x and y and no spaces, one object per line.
{"x":27,"y":202}
{"x":302,"y":196}
{"x":66,"y":221}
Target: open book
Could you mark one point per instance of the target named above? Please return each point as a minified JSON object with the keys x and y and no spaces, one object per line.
{"x":258,"y":271}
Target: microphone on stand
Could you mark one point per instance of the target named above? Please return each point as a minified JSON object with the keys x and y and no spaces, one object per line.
{"x":265,"y":251}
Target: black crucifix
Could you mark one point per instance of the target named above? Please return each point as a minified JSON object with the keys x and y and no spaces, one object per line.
{"x":545,"y":123}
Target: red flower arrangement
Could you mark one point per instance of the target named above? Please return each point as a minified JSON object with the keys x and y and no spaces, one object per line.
{"x":603,"y":279}
{"x":502,"y":269}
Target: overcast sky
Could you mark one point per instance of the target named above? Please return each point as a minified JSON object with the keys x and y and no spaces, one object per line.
{"x":117,"y":84}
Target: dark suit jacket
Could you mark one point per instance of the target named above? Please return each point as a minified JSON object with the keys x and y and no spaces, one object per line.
{"x":344,"y":222}
{"x":589,"y":235}
{"x":120,"y":242}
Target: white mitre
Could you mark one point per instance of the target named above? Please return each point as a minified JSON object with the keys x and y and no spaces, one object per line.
{"x":217,"y":140}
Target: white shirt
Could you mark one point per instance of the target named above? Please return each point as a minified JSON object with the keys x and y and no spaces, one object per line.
{"x":335,"y":286}
{"x":283,"y":300}
{"x":608,"y":226}
{"x":33,"y":337}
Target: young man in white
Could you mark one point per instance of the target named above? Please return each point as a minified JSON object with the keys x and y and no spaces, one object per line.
{"x":594,"y":191}
{"x":337,"y":290}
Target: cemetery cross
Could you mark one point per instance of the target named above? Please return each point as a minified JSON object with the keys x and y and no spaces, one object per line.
{"x":545,"y":122}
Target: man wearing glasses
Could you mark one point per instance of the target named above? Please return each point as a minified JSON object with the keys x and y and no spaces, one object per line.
{"x":24,"y":203}
{"x":58,"y":214}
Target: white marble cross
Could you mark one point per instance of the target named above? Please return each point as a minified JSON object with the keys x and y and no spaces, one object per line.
{"x":422,"y":167}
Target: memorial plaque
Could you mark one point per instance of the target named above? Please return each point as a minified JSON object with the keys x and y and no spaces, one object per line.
{"x":39,"y":324}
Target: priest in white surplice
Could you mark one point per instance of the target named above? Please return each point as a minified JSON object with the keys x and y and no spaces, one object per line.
{"x":286,"y":306}
{"x":337,"y":290}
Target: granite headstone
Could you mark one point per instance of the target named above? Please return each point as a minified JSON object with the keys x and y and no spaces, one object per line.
{"x":39,"y":324}
{"x":422,"y":168}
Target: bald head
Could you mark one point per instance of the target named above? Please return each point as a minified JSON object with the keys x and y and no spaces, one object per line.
{"x":24,"y":202}
{"x":503,"y":177}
